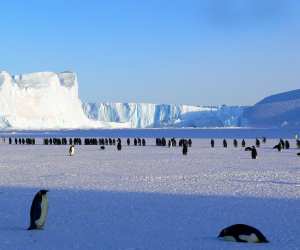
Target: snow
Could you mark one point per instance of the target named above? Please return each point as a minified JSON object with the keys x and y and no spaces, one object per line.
{"x":149,"y":197}
{"x":280,"y":110}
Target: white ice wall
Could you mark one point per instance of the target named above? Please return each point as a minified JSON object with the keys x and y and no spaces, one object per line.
{"x":41,"y":100}
{"x":48,"y":100}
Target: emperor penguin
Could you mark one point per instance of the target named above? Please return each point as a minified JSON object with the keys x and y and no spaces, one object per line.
{"x":184,"y":149}
{"x":242,"y":233}
{"x":39,"y":210}
{"x":72,"y":150}
{"x":253,"y":152}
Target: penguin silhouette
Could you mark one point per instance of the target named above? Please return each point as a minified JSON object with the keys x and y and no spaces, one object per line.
{"x":39,"y":210}
{"x":253,"y":153}
{"x":72,"y":150}
{"x":242,"y":233}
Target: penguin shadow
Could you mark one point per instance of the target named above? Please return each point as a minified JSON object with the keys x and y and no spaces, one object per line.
{"x":278,"y":182}
{"x":141,"y":220}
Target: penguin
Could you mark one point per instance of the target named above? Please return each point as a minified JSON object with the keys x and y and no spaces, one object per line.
{"x":242,"y":233}
{"x":248,"y":149}
{"x":224,"y":143}
{"x":39,"y":210}
{"x":102,"y":147}
{"x":253,"y":153}
{"x":281,"y":141}
{"x":287,"y":144}
{"x":278,"y":146}
{"x":257,"y":143}
{"x":184,"y":149}
{"x":119,"y":146}
{"x":128,"y":142}
{"x":72,"y":150}
{"x":235,"y":143}
{"x":212,"y":143}
{"x":264,"y":139}
{"x":243,"y":143}
{"x":298,"y":154}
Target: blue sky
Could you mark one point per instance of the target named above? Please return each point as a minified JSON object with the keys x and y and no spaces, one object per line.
{"x":192,"y":52}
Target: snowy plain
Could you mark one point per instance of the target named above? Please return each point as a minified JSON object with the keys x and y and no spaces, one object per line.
{"x":149,"y":197}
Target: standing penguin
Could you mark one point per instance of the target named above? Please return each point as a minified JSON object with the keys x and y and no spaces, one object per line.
{"x":243,"y":143}
{"x":242,"y":233}
{"x":235,"y":143}
{"x":184,"y":148}
{"x":287,"y":144}
{"x":253,"y":152}
{"x":212,"y":143}
{"x":119,"y":146}
{"x":257,"y":143}
{"x":224,"y":143}
{"x":39,"y":210}
{"x":72,"y":150}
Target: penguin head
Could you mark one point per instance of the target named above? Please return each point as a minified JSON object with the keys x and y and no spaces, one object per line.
{"x":44,"y":191}
{"x":222,"y":233}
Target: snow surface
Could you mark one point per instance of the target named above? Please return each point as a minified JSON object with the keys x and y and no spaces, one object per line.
{"x":149,"y":197}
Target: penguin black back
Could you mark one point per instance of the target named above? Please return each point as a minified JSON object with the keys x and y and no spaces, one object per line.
{"x":242,"y":233}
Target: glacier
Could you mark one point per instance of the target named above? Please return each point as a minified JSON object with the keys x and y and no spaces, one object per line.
{"x":148,"y":115}
{"x":49,"y":100}
{"x":43,"y":100}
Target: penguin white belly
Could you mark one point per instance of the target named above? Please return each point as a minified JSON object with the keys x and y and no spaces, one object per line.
{"x":44,"y":211}
{"x":72,"y":151}
{"x":229,"y":238}
{"x":252,"y":238}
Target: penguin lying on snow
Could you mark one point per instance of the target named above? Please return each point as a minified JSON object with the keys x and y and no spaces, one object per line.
{"x":242,"y":233}
{"x":298,"y":154}
{"x":39,"y":210}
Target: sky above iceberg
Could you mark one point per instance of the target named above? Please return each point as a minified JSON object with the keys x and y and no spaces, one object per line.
{"x":191,"y":52}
